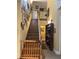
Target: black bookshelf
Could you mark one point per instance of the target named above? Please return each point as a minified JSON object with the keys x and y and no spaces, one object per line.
{"x":50,"y":35}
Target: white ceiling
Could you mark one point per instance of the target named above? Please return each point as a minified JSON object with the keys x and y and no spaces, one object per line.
{"x":41,"y":4}
{"x":37,"y":0}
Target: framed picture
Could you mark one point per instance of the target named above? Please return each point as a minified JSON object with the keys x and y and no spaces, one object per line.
{"x":22,"y":26}
{"x":48,"y":12}
{"x":24,"y":21}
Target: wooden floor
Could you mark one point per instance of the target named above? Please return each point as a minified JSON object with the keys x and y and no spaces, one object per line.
{"x":31,"y":50}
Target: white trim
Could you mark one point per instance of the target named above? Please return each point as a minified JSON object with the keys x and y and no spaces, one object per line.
{"x":57,"y":52}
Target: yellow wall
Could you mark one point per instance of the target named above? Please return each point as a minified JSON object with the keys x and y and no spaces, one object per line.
{"x":53,"y":15}
{"x":43,"y":33}
{"x":21,"y":34}
{"x":43,"y":24}
{"x":18,"y":28}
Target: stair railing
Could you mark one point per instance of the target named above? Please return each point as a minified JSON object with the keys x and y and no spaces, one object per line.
{"x":27,"y":28}
{"x":30,"y":18}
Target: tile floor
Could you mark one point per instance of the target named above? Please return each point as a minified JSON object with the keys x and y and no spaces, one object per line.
{"x":50,"y":55}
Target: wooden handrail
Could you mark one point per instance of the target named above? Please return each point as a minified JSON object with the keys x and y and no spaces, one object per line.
{"x":29,"y":23}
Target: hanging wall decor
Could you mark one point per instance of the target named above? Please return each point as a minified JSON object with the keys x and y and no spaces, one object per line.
{"x":22,"y":26}
{"x":24,"y":21}
{"x":48,"y":12}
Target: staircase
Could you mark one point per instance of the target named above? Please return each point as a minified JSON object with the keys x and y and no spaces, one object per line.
{"x":33,"y":32}
{"x":31,"y":46}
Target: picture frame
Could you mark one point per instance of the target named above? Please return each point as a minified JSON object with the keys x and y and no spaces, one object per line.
{"x":24,"y":21}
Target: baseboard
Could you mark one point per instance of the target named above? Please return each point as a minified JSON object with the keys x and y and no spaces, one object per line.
{"x":57,"y":52}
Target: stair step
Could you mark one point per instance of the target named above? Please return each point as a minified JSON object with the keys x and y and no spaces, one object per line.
{"x":32,"y":37}
{"x":33,"y":32}
{"x":29,"y":58}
